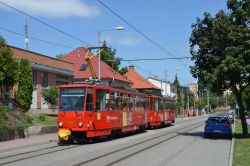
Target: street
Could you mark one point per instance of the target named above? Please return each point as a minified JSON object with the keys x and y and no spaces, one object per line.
{"x":181,"y":144}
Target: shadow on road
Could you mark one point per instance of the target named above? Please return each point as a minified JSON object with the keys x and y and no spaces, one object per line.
{"x":192,"y":134}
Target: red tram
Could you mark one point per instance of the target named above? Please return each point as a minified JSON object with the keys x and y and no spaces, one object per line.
{"x":88,"y":111}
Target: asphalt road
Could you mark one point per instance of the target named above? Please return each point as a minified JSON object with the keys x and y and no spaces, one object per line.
{"x":181,"y":144}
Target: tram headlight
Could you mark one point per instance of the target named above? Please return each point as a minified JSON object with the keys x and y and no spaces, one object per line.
{"x":80,"y":124}
{"x":60,"y":124}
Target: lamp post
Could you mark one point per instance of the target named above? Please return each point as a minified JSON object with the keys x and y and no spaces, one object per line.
{"x":99,"y":51}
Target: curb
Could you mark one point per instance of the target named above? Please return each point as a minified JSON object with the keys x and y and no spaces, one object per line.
{"x":230,"y":163}
{"x":27,"y":132}
{"x":231,"y":153}
{"x":39,"y":130}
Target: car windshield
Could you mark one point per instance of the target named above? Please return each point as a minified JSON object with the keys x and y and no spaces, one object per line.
{"x":217,"y":120}
{"x":72,"y":99}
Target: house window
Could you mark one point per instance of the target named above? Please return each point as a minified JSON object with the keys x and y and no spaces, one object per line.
{"x":34,"y":77}
{"x":44,"y":79}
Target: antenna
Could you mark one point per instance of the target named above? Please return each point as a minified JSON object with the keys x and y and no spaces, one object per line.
{"x":26,"y":40}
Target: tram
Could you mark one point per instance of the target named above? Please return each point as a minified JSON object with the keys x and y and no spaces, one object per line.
{"x":88,"y":111}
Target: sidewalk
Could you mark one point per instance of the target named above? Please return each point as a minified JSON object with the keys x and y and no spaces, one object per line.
{"x":36,"y":139}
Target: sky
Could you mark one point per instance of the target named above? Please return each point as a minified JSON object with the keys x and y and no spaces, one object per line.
{"x":165,"y":22}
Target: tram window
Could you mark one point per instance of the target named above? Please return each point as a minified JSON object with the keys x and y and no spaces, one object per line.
{"x":131,"y":103}
{"x":114,"y":101}
{"x":102,"y":100}
{"x":137,"y":103}
{"x":161,"y":102}
{"x":168,"y":105}
{"x":145,"y":105}
{"x":165,"y":105}
{"x":72,"y":99}
{"x":123,"y":102}
{"x":89,"y":102}
{"x":156,"y":104}
{"x":151,"y":104}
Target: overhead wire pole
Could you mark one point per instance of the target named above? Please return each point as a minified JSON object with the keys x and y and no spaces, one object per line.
{"x":26,"y":40}
{"x":42,"y":22}
{"x":37,"y":39}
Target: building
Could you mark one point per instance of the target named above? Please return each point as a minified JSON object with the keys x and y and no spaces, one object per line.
{"x":109,"y":77}
{"x":46,"y":71}
{"x":167,"y":89}
{"x":141,"y":84}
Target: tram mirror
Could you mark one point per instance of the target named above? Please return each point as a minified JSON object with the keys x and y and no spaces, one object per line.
{"x":83,"y":67}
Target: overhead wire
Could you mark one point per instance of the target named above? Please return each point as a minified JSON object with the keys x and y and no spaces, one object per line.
{"x":42,"y":22}
{"x":34,"y":38}
{"x":136,"y":29}
{"x":153,"y":59}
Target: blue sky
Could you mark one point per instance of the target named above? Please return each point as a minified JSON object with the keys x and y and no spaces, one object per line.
{"x":166,"y":22}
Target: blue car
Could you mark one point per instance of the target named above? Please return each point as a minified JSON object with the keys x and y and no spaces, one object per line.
{"x":218,"y":126}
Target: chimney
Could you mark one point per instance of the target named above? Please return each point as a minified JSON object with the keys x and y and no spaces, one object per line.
{"x":132,"y":67}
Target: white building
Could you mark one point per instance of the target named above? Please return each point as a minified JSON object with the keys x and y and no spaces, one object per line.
{"x":167,"y":89}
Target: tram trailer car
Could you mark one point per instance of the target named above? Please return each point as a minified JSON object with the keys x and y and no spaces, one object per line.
{"x":162,"y":111}
{"x":89,"y":111}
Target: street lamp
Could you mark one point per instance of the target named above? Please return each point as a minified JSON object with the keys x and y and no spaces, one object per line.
{"x":99,"y":51}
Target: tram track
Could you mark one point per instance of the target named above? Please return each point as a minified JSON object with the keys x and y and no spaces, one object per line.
{"x":21,"y":156}
{"x":8,"y":159}
{"x":175,"y":134}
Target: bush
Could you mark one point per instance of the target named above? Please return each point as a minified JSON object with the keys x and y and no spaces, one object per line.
{"x":50,"y":96}
{"x":25,"y":86}
{"x":11,"y":121}
{"x":42,"y":117}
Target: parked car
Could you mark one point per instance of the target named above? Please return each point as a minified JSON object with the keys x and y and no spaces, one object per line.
{"x":218,"y":126}
{"x":230,"y":115}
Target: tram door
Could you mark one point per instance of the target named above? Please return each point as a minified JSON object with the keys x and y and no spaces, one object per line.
{"x":102,"y":109}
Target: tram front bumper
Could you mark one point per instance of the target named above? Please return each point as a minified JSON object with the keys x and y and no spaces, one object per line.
{"x":64,"y":134}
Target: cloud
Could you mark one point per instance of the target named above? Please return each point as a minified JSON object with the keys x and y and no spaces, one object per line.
{"x":54,"y":8}
{"x":129,"y":41}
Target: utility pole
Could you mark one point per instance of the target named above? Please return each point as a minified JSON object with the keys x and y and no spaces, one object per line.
{"x":207,"y":100}
{"x":166,"y":85}
{"x":182,"y":103}
{"x":26,"y":40}
{"x":226,"y":100}
{"x":187,"y":98}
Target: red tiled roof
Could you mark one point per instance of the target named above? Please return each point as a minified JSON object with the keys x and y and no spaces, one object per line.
{"x":139,"y":82}
{"x":77,"y":57}
{"x":34,"y":57}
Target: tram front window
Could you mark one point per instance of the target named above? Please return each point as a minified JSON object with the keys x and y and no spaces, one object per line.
{"x":72,"y":99}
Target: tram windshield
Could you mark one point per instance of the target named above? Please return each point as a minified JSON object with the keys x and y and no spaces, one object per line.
{"x":72,"y":99}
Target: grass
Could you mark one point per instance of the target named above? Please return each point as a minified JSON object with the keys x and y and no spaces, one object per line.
{"x":43,"y":119}
{"x":241,"y":154}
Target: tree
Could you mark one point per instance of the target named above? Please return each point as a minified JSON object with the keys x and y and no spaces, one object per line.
{"x":58,"y":56}
{"x":108,"y":55}
{"x":246,"y":98}
{"x":8,"y":69}
{"x":177,"y":84}
{"x":50,"y":96}
{"x":219,"y":46}
{"x":178,"y":99}
{"x":25,"y":85}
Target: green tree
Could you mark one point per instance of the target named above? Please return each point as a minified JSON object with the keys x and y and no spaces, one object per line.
{"x":25,"y":85}
{"x":58,"y":56}
{"x":220,"y":48}
{"x":108,"y":55}
{"x":8,"y":69}
{"x":246,"y":98}
{"x":176,"y":83}
{"x":50,"y":95}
